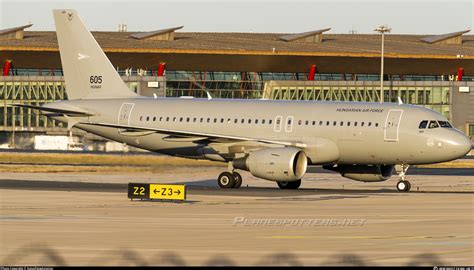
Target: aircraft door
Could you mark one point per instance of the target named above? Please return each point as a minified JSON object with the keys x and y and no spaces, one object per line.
{"x":392,"y":125}
{"x":277,"y":127}
{"x":124,"y":113}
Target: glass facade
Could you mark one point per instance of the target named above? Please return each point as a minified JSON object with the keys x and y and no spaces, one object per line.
{"x":37,"y":90}
{"x":425,"y":94}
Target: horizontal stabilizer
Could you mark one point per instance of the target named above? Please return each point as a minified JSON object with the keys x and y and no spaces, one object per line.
{"x":54,"y":110}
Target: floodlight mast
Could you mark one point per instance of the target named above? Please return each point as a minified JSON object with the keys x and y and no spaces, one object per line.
{"x":382,"y":29}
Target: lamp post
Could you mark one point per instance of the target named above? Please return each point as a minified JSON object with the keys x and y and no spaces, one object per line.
{"x":382,"y":29}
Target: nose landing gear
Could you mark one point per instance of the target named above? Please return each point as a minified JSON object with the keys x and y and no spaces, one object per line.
{"x":403,"y":185}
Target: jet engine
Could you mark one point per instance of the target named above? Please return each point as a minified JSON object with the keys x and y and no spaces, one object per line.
{"x":276,"y":164}
{"x":364,"y":173}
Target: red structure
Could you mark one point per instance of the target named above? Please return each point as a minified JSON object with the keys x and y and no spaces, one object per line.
{"x":312,"y":71}
{"x":6,"y":67}
{"x":460,"y":73}
{"x":161,"y":69}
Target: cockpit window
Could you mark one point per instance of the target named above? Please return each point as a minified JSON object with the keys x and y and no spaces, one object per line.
{"x":444,"y":124}
{"x":433,"y":124}
{"x":423,"y":124}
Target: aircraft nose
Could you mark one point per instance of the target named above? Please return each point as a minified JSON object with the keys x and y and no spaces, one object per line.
{"x":459,"y":144}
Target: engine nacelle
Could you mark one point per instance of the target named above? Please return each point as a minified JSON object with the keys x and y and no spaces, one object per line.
{"x":276,"y":164}
{"x":365,"y":173}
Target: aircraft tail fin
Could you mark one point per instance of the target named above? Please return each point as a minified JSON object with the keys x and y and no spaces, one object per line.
{"x":87,"y":70}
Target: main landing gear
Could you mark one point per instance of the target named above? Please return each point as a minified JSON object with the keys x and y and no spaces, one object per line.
{"x":229,"y":180}
{"x":403,"y":185}
{"x":290,"y":185}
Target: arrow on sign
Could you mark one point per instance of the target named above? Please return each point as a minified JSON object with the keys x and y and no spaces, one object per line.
{"x":155,"y":191}
{"x":178,"y":192}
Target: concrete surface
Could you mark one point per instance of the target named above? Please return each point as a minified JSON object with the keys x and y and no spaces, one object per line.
{"x":86,"y":219}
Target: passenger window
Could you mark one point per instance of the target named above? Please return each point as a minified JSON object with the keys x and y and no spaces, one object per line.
{"x":376,"y":124}
{"x":314,"y":123}
{"x":306,"y":122}
{"x":187,"y":119}
{"x":300,"y":122}
{"x":362,"y":124}
{"x":228,"y":120}
{"x":433,"y":124}
{"x":256,"y":121}
{"x":370,"y":124}
{"x":148,"y":118}
{"x":181,"y":119}
{"x":208,"y":120}
{"x":154,"y":118}
{"x":141,"y":118}
{"x":235,"y":121}
{"x":327,"y":123}
{"x":250,"y":121}
{"x":270,"y":121}
{"x":243,"y":120}
{"x":215,"y":120}
{"x":355,"y":124}
{"x":194,"y":119}
{"x":320,"y":123}
{"x":201,"y":120}
{"x":348,"y":124}
{"x":222,"y":120}
{"x":342,"y":123}
{"x":335,"y":123}
{"x":161,"y":118}
{"x":278,"y":121}
{"x":263,"y":121}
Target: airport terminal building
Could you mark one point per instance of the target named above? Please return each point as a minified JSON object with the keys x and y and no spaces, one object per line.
{"x":436,"y":72}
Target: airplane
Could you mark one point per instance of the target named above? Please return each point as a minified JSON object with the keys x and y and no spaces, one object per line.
{"x":274,"y":140}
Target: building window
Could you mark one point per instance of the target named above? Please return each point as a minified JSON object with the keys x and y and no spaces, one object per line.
{"x":470,"y":130}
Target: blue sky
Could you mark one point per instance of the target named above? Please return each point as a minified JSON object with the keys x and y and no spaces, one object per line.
{"x":403,"y":16}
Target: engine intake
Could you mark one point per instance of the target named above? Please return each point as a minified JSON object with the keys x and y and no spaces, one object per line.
{"x":276,"y":164}
{"x":365,"y":173}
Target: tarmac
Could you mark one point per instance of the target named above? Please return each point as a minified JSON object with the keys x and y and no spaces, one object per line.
{"x":80,"y":219}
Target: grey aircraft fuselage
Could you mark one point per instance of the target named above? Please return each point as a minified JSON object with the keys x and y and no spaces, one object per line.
{"x":359,"y":132}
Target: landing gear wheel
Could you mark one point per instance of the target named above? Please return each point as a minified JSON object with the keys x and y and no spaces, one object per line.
{"x":403,"y":186}
{"x":238,"y":179}
{"x":289,"y":185}
{"x":226,"y":180}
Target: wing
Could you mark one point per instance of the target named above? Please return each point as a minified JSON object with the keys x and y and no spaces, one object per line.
{"x":192,"y":135}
